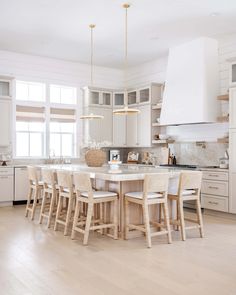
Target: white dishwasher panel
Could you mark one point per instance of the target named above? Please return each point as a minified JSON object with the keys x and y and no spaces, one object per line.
{"x":21,"y":184}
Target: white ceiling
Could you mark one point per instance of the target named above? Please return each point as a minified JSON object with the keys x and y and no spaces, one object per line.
{"x":59,"y":28}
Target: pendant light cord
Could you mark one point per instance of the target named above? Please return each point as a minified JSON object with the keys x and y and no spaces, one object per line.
{"x":126,"y":6}
{"x":126,"y":44}
{"x":91,"y":54}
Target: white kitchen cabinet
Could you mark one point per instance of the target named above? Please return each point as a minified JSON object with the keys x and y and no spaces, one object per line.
{"x":119,"y":131}
{"x":144,"y":126}
{"x":21,"y":184}
{"x":232,"y":108}
{"x":232,"y":150}
{"x":215,"y":203}
{"x":5,"y":122}
{"x":97,"y":97}
{"x":6,"y":185}
{"x":135,"y":128}
{"x":232,"y":192}
{"x":232,"y":170}
{"x":99,"y":129}
{"x":215,"y":190}
{"x":132,"y":130}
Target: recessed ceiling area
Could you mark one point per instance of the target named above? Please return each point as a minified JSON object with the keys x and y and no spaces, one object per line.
{"x":59,"y":28}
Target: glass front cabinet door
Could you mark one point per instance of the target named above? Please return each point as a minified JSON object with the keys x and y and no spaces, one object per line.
{"x":144,"y":95}
{"x":5,"y":88}
{"x":118,"y":99}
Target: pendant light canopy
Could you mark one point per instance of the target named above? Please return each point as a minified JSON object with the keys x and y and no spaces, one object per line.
{"x":91,"y":116}
{"x":126,"y":110}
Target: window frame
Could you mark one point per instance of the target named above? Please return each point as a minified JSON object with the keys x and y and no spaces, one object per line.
{"x":28,"y":132}
{"x":64,"y":133}
{"x":77,"y":136}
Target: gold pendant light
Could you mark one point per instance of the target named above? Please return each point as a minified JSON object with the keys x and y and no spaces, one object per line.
{"x":126,"y":110}
{"x":91,"y":116}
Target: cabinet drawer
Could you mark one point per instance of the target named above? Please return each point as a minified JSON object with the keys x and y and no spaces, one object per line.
{"x":223,"y":176}
{"x":214,"y":203}
{"x":6,"y":171}
{"x":217,"y":188}
{"x":6,"y":185}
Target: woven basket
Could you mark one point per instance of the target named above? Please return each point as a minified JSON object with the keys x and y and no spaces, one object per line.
{"x":95,"y":158}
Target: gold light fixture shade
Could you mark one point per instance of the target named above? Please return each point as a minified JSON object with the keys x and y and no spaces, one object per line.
{"x":91,"y":117}
{"x":126,"y":111}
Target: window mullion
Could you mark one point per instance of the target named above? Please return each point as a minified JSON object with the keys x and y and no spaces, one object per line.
{"x":47,"y":122}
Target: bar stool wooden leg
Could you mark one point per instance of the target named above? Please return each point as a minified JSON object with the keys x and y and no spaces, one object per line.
{"x":45,"y":195}
{"x":28,"y":201}
{"x":51,"y":209}
{"x":104,"y":217}
{"x":199,"y":217}
{"x":167,"y":221}
{"x":76,"y":216}
{"x":68,"y":216}
{"x":178,"y":215}
{"x":59,"y":207}
{"x":36,"y":196}
{"x":181,"y":216}
{"x":147,"y":225}
{"x":126,"y":219}
{"x":88,"y":223}
{"x":160,"y":213}
{"x":115,"y":219}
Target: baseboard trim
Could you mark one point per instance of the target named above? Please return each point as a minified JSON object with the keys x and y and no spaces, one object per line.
{"x":220,"y":214}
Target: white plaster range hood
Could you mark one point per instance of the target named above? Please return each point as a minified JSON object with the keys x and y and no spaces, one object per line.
{"x":191,"y":83}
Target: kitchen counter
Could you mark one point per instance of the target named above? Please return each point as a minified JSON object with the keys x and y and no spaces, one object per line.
{"x":123,"y":173}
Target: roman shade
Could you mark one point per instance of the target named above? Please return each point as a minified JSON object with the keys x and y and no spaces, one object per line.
{"x":30,"y":114}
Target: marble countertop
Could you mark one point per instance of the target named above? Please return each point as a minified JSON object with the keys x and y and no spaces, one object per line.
{"x":122,"y":173}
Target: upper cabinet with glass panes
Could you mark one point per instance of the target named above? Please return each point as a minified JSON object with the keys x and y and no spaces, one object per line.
{"x":5,"y":87}
{"x":97,"y":97}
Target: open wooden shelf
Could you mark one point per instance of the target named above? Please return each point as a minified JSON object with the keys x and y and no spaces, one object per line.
{"x":223,"y":119}
{"x":162,"y":141}
{"x":223,"y":140}
{"x":158,"y":106}
{"x":156,"y":125}
{"x":223,"y":97}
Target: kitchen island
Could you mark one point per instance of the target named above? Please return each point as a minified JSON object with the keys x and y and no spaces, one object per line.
{"x":123,"y":179}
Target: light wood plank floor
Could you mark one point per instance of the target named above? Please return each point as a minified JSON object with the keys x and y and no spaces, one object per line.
{"x":35,"y":261}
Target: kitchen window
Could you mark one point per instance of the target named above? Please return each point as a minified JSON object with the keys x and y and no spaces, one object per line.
{"x":62,"y":94}
{"x":45,"y":125}
{"x":62,"y":132}
{"x":30,"y":91}
{"x":29,"y":139}
{"x":62,"y":139}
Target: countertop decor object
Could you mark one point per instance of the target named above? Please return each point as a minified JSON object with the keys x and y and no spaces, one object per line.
{"x":132,"y":158}
{"x":95,"y":158}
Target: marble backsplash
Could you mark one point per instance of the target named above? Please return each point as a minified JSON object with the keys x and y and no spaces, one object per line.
{"x":187,"y":153}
